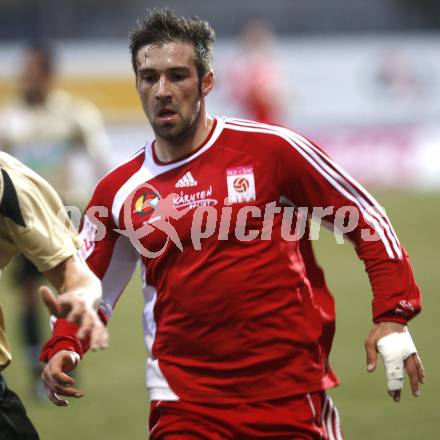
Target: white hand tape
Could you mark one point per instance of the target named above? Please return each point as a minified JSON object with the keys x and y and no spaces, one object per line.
{"x":75,"y":357}
{"x":394,"y":349}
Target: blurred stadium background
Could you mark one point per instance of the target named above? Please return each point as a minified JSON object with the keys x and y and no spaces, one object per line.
{"x":360,"y":77}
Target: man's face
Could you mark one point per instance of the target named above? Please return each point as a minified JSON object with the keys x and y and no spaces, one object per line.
{"x":35,"y":79}
{"x":169,"y":89}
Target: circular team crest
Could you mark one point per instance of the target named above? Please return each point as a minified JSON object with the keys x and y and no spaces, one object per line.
{"x":241,"y":184}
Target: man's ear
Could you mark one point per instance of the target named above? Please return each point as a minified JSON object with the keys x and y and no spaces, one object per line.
{"x":207,"y":83}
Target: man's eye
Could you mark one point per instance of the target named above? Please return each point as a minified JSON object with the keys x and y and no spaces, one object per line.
{"x":148,"y":78}
{"x":178,"y":76}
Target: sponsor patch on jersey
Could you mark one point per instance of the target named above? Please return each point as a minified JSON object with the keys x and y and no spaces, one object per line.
{"x":146,"y":203}
{"x":241,"y":184}
{"x":196,"y":199}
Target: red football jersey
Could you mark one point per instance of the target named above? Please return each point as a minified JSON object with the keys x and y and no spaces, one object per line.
{"x":235,"y":308}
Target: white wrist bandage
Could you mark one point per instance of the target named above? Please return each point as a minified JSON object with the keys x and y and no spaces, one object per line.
{"x":75,"y":357}
{"x":394,"y":349}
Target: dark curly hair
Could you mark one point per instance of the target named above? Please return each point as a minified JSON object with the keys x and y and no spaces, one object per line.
{"x":163,"y":26}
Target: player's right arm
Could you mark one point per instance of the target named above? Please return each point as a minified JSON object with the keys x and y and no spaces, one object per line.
{"x":112,"y":258}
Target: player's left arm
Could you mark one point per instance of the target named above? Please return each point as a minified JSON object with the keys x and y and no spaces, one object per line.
{"x":309,"y":178}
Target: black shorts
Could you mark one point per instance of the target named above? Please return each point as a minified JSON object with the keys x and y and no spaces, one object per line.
{"x":24,"y":270}
{"x":14,"y":422}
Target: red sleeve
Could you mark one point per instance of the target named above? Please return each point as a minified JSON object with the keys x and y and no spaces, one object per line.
{"x":108,"y":254}
{"x":64,"y":338}
{"x":310,"y":179}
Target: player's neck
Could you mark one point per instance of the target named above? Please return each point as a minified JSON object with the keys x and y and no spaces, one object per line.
{"x":167,"y":151}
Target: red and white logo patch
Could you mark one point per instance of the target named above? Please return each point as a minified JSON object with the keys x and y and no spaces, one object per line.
{"x":241,"y":184}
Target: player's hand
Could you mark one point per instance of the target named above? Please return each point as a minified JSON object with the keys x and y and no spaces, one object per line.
{"x":74,"y":308}
{"x":398,"y":352}
{"x":56,"y":380}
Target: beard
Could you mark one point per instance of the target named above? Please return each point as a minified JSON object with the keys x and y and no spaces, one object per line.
{"x":173,"y":131}
{"x":178,"y":131}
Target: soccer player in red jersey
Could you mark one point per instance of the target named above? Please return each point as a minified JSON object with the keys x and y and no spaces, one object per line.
{"x":253,"y":80}
{"x":238,"y":321}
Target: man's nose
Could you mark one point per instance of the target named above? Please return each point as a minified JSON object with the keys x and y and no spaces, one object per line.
{"x":163,"y":89}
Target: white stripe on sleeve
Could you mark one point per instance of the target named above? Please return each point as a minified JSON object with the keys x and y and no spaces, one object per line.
{"x":343,"y":186}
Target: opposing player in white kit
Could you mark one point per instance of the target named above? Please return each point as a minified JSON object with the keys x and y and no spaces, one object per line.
{"x":30,"y":223}
{"x":44,"y":127}
{"x":238,"y":322}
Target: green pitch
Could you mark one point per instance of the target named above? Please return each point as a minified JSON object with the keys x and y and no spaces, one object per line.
{"x":116,"y":407}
